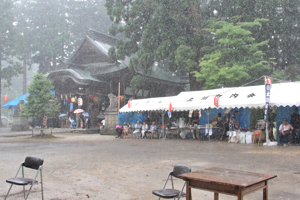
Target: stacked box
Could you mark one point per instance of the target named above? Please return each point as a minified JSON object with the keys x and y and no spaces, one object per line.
{"x":249,"y":137}
{"x":242,"y":138}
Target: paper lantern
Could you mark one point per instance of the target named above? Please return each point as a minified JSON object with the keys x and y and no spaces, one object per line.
{"x":80,"y":102}
{"x":73,"y":100}
{"x":122,"y":98}
{"x":171,"y":107}
{"x":216,"y":101}
{"x":268,"y":81}
{"x":5,"y":97}
{"x":129,"y":103}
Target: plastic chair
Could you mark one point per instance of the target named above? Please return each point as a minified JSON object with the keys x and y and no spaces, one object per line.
{"x":173,"y":193}
{"x":257,"y":133}
{"x":32,"y":163}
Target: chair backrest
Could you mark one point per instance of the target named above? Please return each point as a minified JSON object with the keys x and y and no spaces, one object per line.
{"x":180,"y":169}
{"x":33,"y":162}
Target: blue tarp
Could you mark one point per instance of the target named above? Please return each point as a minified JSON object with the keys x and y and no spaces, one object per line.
{"x":284,"y":112}
{"x":243,"y":116}
{"x":124,"y":118}
{"x":15,"y":102}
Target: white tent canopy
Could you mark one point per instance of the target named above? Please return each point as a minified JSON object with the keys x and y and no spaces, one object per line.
{"x":282,"y":94}
{"x":149,"y":104}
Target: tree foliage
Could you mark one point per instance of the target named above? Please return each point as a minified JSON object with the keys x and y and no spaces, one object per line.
{"x":8,"y":66}
{"x":41,"y":101}
{"x":52,"y":30}
{"x":156,"y":31}
{"x":232,"y":55}
{"x":282,"y":29}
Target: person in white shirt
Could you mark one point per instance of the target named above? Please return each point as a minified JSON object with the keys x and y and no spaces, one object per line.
{"x":137,"y":129}
{"x":285,"y":129}
{"x":144,"y":129}
{"x":152,"y":129}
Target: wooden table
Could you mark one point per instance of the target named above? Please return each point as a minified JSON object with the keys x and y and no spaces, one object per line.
{"x":227,"y":181}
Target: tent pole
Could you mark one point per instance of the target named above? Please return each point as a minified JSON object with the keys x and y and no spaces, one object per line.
{"x":267,"y":134}
{"x":119,"y":97}
{"x":163,"y":123}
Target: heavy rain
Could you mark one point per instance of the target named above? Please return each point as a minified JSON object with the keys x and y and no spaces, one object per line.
{"x":101,"y":99}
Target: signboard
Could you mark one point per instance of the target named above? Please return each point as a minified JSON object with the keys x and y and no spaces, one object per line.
{"x":268,"y":90}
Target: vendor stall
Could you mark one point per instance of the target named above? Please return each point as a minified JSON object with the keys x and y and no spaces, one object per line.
{"x":237,"y":98}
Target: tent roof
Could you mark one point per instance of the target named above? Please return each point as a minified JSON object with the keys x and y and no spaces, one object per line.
{"x":282,"y":94}
{"x":149,"y":104}
{"x":15,"y":102}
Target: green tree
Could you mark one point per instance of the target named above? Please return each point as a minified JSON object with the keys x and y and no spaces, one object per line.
{"x":50,"y":31}
{"x":8,"y":65}
{"x":232,"y":55}
{"x":282,"y":29}
{"x":164,"y":31}
{"x":41,"y":101}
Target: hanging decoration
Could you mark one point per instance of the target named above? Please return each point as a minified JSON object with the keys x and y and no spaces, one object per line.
{"x":129,"y":103}
{"x":171,"y":107}
{"x":169,"y":114}
{"x":216,"y":101}
{"x":5,"y":97}
{"x":73,"y":100}
{"x":268,"y":81}
{"x":121,"y":98}
{"x":80,"y":102}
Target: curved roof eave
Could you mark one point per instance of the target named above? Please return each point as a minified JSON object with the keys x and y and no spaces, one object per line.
{"x":78,"y":76}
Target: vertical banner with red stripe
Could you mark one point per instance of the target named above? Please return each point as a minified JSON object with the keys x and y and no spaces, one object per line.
{"x":268,"y":91}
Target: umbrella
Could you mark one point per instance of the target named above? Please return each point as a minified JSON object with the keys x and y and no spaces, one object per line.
{"x":86,"y":114}
{"x":62,"y":115}
{"x":78,"y":111}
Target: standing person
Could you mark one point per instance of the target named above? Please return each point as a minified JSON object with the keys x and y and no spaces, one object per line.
{"x":286,"y":129}
{"x":152,"y":130}
{"x":86,"y":120}
{"x":270,"y":131}
{"x":232,"y":127}
{"x":81,"y":121}
{"x":67,"y":120}
{"x":220,"y":124}
{"x":195,"y":122}
{"x":225,"y":125}
{"x":77,"y":120}
{"x":295,"y":118}
{"x":144,"y":129}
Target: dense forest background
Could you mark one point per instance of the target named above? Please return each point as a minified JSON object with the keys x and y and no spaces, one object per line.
{"x":216,"y":43}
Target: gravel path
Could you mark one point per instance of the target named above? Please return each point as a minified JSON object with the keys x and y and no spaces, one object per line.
{"x":90,"y":166}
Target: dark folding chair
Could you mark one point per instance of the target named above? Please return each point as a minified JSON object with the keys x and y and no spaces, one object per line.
{"x":31,"y":163}
{"x":173,"y":193}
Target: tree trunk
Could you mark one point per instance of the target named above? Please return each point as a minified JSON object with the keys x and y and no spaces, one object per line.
{"x":194,"y":84}
{"x":24,"y":76}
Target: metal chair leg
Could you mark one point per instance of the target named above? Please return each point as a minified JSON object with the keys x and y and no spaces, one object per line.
{"x":28,"y":192}
{"x":42,"y":185}
{"x":8,"y":191}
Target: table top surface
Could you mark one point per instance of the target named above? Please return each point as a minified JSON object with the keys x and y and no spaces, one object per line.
{"x":227,"y":177}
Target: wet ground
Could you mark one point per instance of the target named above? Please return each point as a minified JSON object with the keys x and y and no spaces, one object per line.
{"x":93,"y":166}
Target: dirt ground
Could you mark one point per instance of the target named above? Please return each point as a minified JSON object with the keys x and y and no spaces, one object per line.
{"x":93,"y":166}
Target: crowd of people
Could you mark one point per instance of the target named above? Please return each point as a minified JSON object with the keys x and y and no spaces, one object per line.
{"x":227,"y":125}
{"x":72,"y":120}
{"x":139,"y":131}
